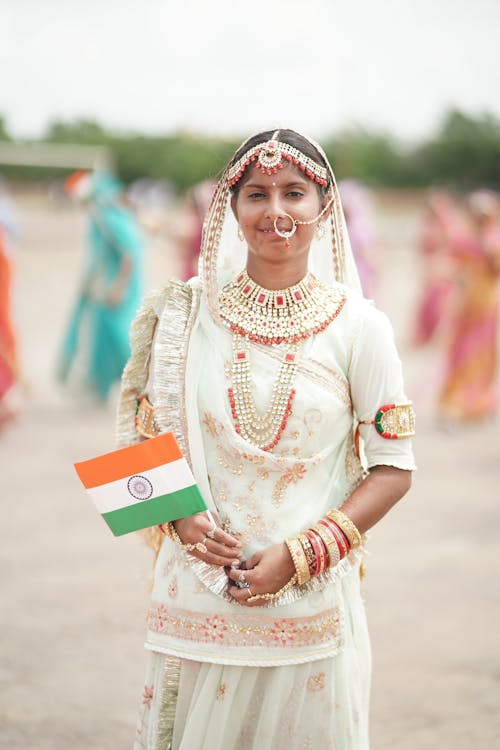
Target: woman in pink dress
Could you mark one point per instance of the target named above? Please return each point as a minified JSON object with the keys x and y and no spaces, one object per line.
{"x":468,"y":391}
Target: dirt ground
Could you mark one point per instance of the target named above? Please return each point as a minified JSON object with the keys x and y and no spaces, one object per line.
{"x":74,"y":598}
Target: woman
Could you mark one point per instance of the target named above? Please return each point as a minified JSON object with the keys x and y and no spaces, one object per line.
{"x":468,"y":390}
{"x":439,"y":233}
{"x":264,"y":371}
{"x":96,"y":344}
{"x":9,"y":367}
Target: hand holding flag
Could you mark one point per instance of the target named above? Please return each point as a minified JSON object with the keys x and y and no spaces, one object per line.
{"x":144,"y":485}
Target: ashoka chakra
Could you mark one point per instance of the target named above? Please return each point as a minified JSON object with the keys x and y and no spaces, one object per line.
{"x":140,"y":487}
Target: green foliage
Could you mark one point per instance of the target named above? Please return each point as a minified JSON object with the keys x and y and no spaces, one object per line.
{"x":465,"y":152}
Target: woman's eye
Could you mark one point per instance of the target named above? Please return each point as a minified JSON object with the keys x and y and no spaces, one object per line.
{"x":255,"y":195}
{"x":295,"y":194}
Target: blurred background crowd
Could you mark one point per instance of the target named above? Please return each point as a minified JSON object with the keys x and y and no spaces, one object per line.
{"x":147,"y":196}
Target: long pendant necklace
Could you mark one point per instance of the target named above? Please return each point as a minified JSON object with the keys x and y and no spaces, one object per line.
{"x":283,"y":317}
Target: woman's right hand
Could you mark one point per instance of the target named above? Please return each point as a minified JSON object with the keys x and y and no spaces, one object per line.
{"x":224,"y":550}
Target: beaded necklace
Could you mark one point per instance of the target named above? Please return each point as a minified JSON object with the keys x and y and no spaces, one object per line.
{"x":284,"y":317}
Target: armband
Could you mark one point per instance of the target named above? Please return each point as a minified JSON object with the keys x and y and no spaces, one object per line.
{"x":145,"y":423}
{"x":394,"y":421}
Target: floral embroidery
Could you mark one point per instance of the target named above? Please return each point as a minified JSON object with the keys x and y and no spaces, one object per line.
{"x":291,"y":475}
{"x":245,"y":630}
{"x":221,"y":692}
{"x":147,"y":696}
{"x":173,"y":588}
{"x":213,"y":426}
{"x":316,"y":682}
{"x":312,"y":417}
{"x":259,"y":527}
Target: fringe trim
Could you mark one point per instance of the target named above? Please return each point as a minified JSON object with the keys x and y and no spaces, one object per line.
{"x":174,"y":330}
{"x":216,"y":580}
{"x":168,"y":703}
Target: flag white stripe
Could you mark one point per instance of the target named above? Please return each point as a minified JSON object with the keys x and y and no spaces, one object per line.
{"x":164,"y":479}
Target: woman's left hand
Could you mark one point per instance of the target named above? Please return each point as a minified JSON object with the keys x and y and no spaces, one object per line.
{"x":266,"y":572}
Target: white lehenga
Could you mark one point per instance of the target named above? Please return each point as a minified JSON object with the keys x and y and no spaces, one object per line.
{"x":293,"y":674}
{"x":203,"y":685}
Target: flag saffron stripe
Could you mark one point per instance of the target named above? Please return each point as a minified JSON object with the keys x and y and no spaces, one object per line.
{"x":158,"y":510}
{"x":162,"y":480}
{"x":128,"y":461}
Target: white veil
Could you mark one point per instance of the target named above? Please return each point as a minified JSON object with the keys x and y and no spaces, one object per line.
{"x":223,"y":255}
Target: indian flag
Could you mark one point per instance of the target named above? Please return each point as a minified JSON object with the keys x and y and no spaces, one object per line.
{"x":144,"y":485}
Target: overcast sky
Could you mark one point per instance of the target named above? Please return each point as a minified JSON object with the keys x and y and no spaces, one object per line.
{"x":231,"y":66}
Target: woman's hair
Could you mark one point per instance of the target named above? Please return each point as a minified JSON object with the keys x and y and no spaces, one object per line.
{"x":285,"y":136}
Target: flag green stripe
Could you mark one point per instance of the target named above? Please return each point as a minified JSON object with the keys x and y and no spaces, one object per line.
{"x":159,"y":509}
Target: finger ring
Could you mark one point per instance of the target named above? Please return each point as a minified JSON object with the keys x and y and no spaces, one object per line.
{"x":242,"y":578}
{"x":201,"y":546}
{"x":211,"y":533}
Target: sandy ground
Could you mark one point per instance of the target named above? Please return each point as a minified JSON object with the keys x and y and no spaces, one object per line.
{"x":74,"y":598}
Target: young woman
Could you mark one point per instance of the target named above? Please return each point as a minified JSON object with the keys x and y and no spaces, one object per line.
{"x":96,"y":347}
{"x":272,"y":370}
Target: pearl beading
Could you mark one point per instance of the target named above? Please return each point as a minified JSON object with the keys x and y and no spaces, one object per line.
{"x":268,"y":158}
{"x":270,"y":316}
{"x":279,"y":317}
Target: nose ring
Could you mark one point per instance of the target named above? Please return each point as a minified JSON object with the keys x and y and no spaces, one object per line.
{"x":284,"y":233}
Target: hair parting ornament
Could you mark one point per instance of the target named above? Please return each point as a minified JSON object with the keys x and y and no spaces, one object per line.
{"x":268,"y":157}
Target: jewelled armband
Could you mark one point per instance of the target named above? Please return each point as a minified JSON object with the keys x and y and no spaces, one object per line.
{"x":145,"y":423}
{"x":394,"y":421}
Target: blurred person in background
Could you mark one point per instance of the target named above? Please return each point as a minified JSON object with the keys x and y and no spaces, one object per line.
{"x":96,"y":345}
{"x":468,"y":391}
{"x":9,"y":367}
{"x":190,"y":226}
{"x":360,"y":225}
{"x":439,"y":231}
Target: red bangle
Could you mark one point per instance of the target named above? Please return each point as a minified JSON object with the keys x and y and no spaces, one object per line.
{"x":319,"y":549}
{"x":342,"y":543}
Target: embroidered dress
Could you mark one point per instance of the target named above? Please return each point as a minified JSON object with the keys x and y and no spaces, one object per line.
{"x":295,"y":672}
{"x":268,"y":497}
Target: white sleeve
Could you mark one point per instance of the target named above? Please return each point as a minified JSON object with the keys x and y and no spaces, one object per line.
{"x":376,"y":379}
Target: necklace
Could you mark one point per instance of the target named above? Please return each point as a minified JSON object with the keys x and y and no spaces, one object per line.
{"x":283,"y":317}
{"x":270,"y":316}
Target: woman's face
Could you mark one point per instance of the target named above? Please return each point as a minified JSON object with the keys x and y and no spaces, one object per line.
{"x":263,"y":198}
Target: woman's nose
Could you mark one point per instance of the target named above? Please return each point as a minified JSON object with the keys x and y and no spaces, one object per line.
{"x":275,"y":206}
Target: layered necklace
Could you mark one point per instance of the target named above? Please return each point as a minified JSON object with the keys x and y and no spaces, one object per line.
{"x":283,"y":317}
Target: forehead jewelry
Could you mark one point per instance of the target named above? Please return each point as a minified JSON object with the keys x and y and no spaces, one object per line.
{"x":269,"y":157}
{"x":287,"y":234}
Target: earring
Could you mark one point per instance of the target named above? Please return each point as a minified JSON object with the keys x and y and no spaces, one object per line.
{"x":241,"y":236}
{"x":320,"y":230}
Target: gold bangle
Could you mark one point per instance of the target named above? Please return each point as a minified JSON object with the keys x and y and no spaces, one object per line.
{"x":330,"y":543}
{"x":272,"y":597}
{"x":308,"y":550}
{"x":299,"y":560}
{"x":346,"y":525}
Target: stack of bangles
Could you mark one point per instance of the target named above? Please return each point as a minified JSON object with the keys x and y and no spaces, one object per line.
{"x":323,"y":545}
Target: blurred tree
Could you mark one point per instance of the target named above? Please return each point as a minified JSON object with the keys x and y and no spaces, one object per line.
{"x":4,"y":134}
{"x":464,"y":153}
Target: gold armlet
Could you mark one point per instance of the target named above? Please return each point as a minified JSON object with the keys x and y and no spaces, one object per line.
{"x":145,"y":423}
